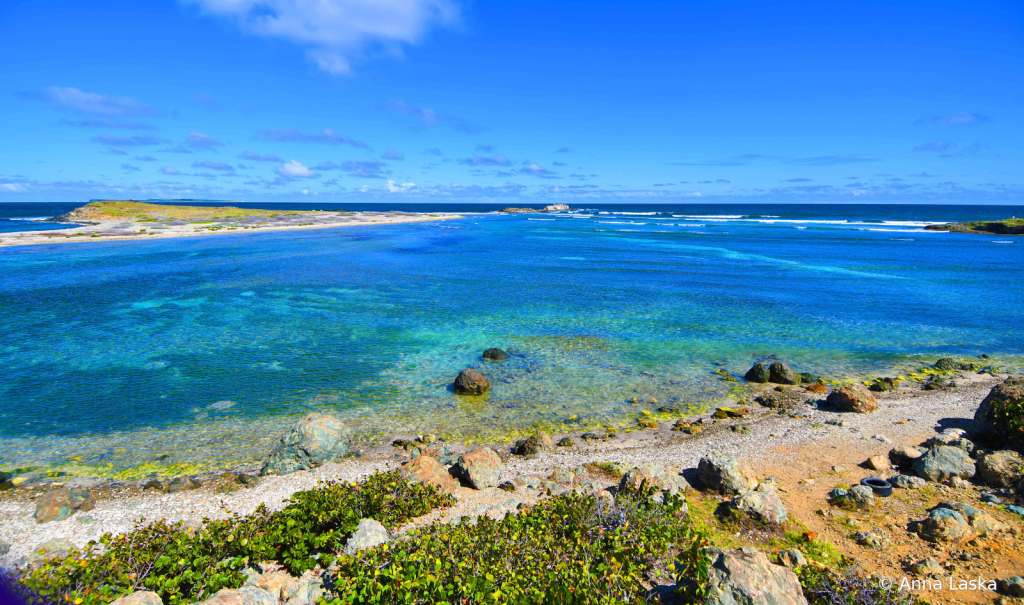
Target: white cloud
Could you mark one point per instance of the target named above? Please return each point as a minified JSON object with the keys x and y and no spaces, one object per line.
{"x":296,"y":170}
{"x":201,"y":140}
{"x":90,"y":103}
{"x":169,"y":170}
{"x":335,"y":31}
{"x":396,"y":188}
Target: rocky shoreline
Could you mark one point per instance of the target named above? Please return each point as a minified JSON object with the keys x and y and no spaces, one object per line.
{"x":794,"y":452}
{"x":1010,"y":226}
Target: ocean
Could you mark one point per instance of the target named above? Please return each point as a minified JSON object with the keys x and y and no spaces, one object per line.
{"x":128,"y":358}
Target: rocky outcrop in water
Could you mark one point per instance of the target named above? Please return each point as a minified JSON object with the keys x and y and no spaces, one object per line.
{"x":495,"y":355}
{"x":471,"y":382}
{"x":759,"y":373}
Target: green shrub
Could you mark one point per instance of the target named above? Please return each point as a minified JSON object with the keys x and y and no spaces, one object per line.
{"x":850,"y":585}
{"x":571,"y":549}
{"x":182,"y":565}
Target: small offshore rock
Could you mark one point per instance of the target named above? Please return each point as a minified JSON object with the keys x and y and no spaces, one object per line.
{"x":942,"y":462}
{"x":471,"y":382}
{"x":369,"y":533}
{"x":746,"y":577}
{"x":726,"y":474}
{"x":495,"y":355}
{"x":779,"y":373}
{"x":428,"y":471}
{"x":854,"y":398}
{"x":314,"y":440}
{"x":758,"y":373}
{"x":141,"y":597}
{"x":61,"y":503}
{"x":535,"y":444}
{"x":1004,"y":468}
{"x":907,"y":482}
{"x":480,"y":468}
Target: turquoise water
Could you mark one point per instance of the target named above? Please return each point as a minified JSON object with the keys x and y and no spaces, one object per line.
{"x":204,"y":348}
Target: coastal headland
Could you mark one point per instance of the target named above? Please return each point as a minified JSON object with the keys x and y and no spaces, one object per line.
{"x":131,"y":220}
{"x":1010,"y":226}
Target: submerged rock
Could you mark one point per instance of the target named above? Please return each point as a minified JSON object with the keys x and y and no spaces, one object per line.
{"x":471,"y":382}
{"x":61,"y":503}
{"x":779,"y":373}
{"x":759,"y":373}
{"x":854,"y":398}
{"x":312,"y":441}
{"x":495,"y":355}
{"x":991,"y":424}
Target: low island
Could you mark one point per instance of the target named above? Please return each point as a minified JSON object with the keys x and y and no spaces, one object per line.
{"x":127,"y":219}
{"x":1010,"y":226}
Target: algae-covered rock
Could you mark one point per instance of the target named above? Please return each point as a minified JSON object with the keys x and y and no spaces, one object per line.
{"x":779,"y":373}
{"x":1000,"y":417}
{"x":759,"y":373}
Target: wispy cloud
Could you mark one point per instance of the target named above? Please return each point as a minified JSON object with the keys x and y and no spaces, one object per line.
{"x":211,"y":165}
{"x":169,"y":170}
{"x":90,"y":103}
{"x":563,"y":150}
{"x":259,"y":157}
{"x":145,"y":158}
{"x":108,"y":124}
{"x":433,"y":151}
{"x":960,"y":118}
{"x":130,"y":168}
{"x":497,"y":160}
{"x":327,"y":166}
{"x":371,"y":169}
{"x":538,"y":171}
{"x":736,"y":160}
{"x":201,"y":140}
{"x":391,"y":154}
{"x":334,"y":32}
{"x":325,"y":137}
{"x":827,"y":160}
{"x":484,"y":148}
{"x":116,"y":141}
{"x":430,"y":117}
{"x":750,"y":158}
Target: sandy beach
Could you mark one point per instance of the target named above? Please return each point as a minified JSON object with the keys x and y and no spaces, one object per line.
{"x":808,"y":451}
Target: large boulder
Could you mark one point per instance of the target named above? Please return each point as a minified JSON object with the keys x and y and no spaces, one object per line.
{"x":746,"y":577}
{"x":495,"y":355}
{"x":480,"y":468}
{"x":758,"y":373}
{"x":726,"y":474}
{"x":854,"y":398}
{"x":943,"y":462}
{"x":652,"y":475}
{"x":1004,"y":402}
{"x":61,"y":503}
{"x":247,"y":595}
{"x":765,"y":505}
{"x":141,"y":597}
{"x":1004,"y":468}
{"x":314,"y":440}
{"x":779,"y":373}
{"x":368,"y":534}
{"x":430,"y":472}
{"x":535,"y":444}
{"x":904,"y":455}
{"x":945,"y":525}
{"x":471,"y":382}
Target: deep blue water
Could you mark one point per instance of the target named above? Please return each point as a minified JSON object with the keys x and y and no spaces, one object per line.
{"x":205,"y":347}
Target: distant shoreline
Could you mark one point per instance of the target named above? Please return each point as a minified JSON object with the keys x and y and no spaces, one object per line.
{"x":138,"y":221}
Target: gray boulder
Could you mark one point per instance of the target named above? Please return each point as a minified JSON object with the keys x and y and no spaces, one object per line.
{"x":746,"y":577}
{"x":368,"y":534}
{"x":764,"y":505}
{"x":1013,"y":587}
{"x":779,"y":373}
{"x":726,"y":474}
{"x":943,"y":462}
{"x":312,"y":441}
{"x":927,"y":567}
{"x":904,"y":455}
{"x":1004,"y":468}
{"x":945,"y":525}
{"x":246,"y":595}
{"x":907,"y":482}
{"x":759,"y":373}
{"x":652,"y":475}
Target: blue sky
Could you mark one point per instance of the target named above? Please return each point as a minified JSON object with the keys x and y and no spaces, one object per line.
{"x":443,"y":100}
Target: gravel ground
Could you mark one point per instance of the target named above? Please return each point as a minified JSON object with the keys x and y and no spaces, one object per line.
{"x":906,"y":416}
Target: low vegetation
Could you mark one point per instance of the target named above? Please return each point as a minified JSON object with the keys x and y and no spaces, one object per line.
{"x":143,"y":212}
